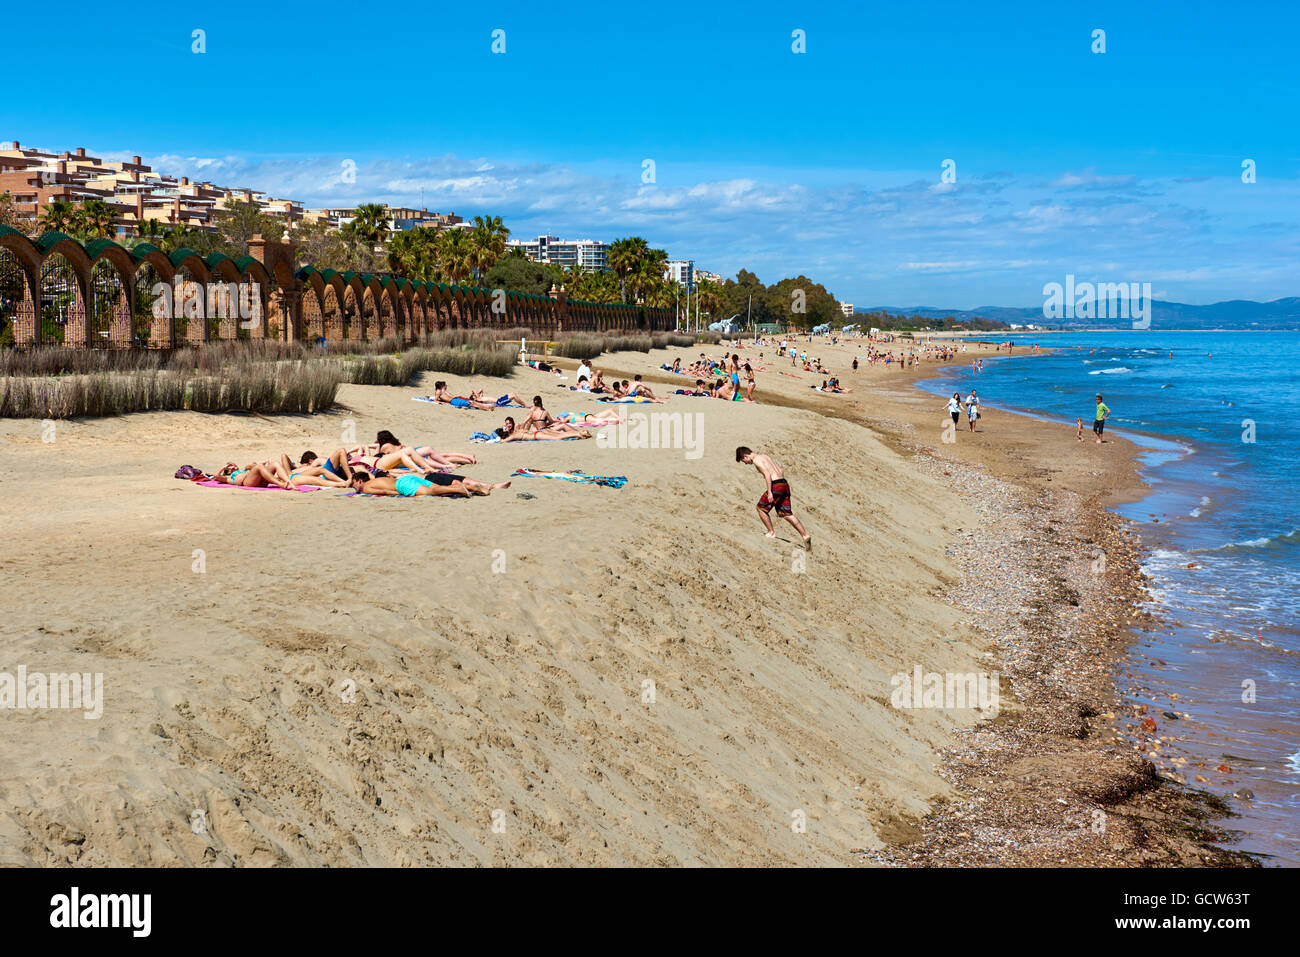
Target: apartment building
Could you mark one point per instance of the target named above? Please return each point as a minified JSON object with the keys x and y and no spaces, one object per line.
{"x":680,"y":271}
{"x":35,"y":178}
{"x":588,"y":254}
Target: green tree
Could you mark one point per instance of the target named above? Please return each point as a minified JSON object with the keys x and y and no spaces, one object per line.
{"x":11,"y":217}
{"x":94,"y":219}
{"x":59,"y":216}
{"x":518,"y":273}
{"x":456,"y":254}
{"x":413,"y":253}
{"x":623,"y":257}
{"x":369,"y":225}
{"x":238,"y":221}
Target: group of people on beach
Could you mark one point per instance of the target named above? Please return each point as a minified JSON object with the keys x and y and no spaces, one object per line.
{"x":383,"y":467}
{"x":724,"y":372}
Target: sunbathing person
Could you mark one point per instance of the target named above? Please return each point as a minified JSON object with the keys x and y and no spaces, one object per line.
{"x":474,"y":400}
{"x":255,"y":475}
{"x":603,"y":417}
{"x":310,"y":473}
{"x":640,"y":388}
{"x":389,"y":453}
{"x":538,"y":417}
{"x":475,"y":486}
{"x":511,"y":432}
{"x":336,"y":465}
{"x":407,"y":486}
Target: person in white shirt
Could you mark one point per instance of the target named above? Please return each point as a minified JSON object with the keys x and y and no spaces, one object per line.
{"x":972,"y":408}
{"x":954,"y":408}
{"x":584,"y":370}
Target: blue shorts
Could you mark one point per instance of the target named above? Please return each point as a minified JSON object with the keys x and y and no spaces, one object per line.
{"x":410,"y":485}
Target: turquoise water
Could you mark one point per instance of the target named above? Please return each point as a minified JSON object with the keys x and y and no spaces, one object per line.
{"x":1221,"y":454}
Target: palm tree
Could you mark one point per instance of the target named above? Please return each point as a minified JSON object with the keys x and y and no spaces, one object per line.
{"x":58,"y":217}
{"x":710,"y":297}
{"x":648,"y":273}
{"x":413,"y":253}
{"x":488,"y":240}
{"x":95,"y":218}
{"x":370,"y":223}
{"x":150,"y":230}
{"x":494,"y":225}
{"x":456,"y":254}
{"x":623,"y":257}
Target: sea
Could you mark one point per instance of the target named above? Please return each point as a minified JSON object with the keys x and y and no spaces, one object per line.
{"x":1212,"y":413}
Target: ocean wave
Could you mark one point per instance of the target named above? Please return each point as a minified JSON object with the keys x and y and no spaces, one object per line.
{"x":1196,"y":512}
{"x":1109,"y":371}
{"x":1252,"y":544}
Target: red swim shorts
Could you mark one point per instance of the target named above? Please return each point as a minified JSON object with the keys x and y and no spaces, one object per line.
{"x":780,"y":497}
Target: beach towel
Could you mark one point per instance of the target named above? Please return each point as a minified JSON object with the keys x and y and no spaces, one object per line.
{"x":264,"y":488}
{"x":459,"y":402}
{"x":610,"y":481}
{"x":484,"y":437}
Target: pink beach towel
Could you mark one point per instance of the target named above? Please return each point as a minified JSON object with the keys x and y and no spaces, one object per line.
{"x":264,"y":488}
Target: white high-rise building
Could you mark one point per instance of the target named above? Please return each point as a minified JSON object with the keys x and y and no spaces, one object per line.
{"x":590,"y":254}
{"x":847,"y":309}
{"x":680,"y":271}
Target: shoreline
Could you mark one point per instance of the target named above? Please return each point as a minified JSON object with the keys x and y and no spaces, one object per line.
{"x":1080,"y":763}
{"x":1175,"y":825}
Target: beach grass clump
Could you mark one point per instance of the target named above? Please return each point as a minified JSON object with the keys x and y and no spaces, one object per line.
{"x":673,"y":340}
{"x":580,"y":347}
{"x":297,"y":387}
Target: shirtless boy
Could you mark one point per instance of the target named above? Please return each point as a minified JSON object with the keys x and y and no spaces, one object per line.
{"x":777,"y":494}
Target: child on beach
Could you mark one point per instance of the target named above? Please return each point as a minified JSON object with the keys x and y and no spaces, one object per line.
{"x":1078,"y":429}
{"x":777,"y":494}
{"x":1099,"y":423}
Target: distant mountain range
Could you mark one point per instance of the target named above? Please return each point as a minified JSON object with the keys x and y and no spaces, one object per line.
{"x":1233,"y":314}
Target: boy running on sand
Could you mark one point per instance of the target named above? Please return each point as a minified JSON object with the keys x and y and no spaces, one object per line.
{"x":778,"y":493}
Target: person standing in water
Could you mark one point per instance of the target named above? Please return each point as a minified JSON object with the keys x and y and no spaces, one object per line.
{"x":777,"y":494}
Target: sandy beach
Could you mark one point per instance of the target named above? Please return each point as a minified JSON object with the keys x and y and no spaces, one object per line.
{"x":566,"y":674}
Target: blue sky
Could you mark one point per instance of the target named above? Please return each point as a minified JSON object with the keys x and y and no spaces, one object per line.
{"x":1119,"y":166}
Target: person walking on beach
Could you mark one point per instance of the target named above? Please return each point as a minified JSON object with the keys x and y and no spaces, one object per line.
{"x":777,"y":494}
{"x":972,"y":408}
{"x":1099,"y":423}
{"x":954,"y":408}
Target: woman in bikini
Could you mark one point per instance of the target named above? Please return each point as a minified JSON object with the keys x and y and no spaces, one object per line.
{"x":603,"y":417}
{"x":255,"y":475}
{"x":388,"y":453}
{"x":510,"y":432}
{"x":310,"y":473}
{"x":538,"y":417}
